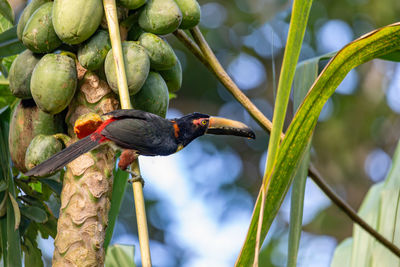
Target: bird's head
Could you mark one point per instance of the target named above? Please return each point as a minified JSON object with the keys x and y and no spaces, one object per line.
{"x":194,"y":125}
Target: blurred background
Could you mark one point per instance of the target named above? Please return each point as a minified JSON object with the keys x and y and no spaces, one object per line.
{"x":199,"y":201}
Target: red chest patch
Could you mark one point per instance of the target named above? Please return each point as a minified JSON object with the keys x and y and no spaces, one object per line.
{"x":104,"y":124}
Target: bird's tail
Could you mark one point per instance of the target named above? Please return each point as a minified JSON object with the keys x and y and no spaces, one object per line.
{"x":62,"y":158}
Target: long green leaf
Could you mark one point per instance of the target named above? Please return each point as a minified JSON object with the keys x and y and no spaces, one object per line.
{"x":12,"y":236}
{"x":6,"y":16}
{"x":306,"y":73}
{"x":34,"y":213}
{"x":388,"y":221}
{"x":3,"y":204}
{"x":120,"y":179}
{"x":388,"y":226}
{"x":297,"y":28}
{"x":296,"y":210}
{"x":4,"y":153}
{"x":3,"y":185}
{"x":120,"y":256}
{"x":380,"y":208}
{"x":362,"y":241}
{"x":3,"y":238}
{"x":373,"y":45}
{"x":9,"y":43}
{"x":3,"y":172}
{"x":6,"y":11}
{"x":394,"y":56}
{"x":342,"y":255}
{"x":15,"y":210}
{"x":32,"y":253}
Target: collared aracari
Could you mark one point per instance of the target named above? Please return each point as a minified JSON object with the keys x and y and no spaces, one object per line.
{"x":143,"y":133}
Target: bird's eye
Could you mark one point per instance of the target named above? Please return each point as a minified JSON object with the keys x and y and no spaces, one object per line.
{"x":204,"y":122}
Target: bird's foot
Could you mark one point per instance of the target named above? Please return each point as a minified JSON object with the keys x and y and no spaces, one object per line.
{"x":135,"y":177}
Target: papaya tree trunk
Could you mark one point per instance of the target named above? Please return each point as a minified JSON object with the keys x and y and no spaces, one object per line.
{"x":87,"y":185}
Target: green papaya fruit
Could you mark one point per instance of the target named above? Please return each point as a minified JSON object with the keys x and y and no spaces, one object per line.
{"x":26,"y":14}
{"x":27,"y":121}
{"x":137,"y":66}
{"x":134,"y":29}
{"x":190,"y":13}
{"x":21,"y":72}
{"x":132,"y":4}
{"x":93,"y":52}
{"x":76,"y":20}
{"x":161,"y":54}
{"x":153,"y":97}
{"x":160,"y":16}
{"x":39,"y":35}
{"x":41,"y":148}
{"x":173,"y":77}
{"x":53,"y":82}
{"x":134,"y":32}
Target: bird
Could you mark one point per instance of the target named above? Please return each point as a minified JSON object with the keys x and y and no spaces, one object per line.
{"x":142,"y":133}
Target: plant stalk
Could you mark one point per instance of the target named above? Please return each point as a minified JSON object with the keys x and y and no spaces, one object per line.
{"x":110,"y":10}
{"x":215,"y":67}
{"x":113,"y":27}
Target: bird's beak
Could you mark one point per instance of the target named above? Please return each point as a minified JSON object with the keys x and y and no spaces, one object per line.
{"x":224,"y":126}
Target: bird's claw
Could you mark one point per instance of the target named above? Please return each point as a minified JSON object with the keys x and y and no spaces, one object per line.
{"x":135,"y":178}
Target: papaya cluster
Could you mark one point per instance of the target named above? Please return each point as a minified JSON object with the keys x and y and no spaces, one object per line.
{"x":64,"y":37}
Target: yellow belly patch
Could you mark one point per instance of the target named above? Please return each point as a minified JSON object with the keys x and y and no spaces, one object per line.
{"x":180,"y":146}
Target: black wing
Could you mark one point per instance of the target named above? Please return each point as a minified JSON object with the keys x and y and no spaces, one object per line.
{"x":147,"y":136}
{"x":65,"y":156}
{"x":131,"y":113}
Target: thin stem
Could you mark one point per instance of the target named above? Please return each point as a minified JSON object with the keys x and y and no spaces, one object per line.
{"x":141,"y":217}
{"x":194,"y":48}
{"x":113,"y":27}
{"x":216,"y":68}
{"x":219,"y":71}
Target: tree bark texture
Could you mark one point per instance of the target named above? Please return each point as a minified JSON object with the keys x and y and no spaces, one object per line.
{"x":87,"y":185}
